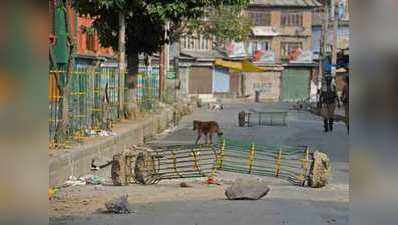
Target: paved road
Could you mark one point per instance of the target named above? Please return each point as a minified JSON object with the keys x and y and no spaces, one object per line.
{"x":285,"y":204}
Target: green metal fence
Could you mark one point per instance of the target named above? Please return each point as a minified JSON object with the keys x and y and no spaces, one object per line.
{"x":93,"y":103}
{"x":286,"y":162}
{"x":147,"y":90}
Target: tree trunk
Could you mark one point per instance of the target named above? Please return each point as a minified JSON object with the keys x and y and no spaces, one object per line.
{"x":132,"y":70}
{"x":61,"y":130}
{"x":122,"y":61}
{"x":131,"y":108}
{"x":161,"y":72}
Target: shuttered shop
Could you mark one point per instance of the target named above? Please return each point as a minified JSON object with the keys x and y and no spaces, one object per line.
{"x":267,"y":83}
{"x":201,"y":80}
{"x":295,"y":84}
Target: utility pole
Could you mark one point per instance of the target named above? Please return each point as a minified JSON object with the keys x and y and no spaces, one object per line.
{"x":323,"y":42}
{"x":163,"y":63}
{"x":167,"y":49}
{"x":334,"y":20}
{"x":122,"y":61}
{"x":161,"y":72}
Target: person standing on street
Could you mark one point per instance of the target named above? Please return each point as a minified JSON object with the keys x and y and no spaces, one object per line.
{"x":328,"y":100}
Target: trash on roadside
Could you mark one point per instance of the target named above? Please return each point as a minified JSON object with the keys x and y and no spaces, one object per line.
{"x":118,"y":205}
{"x":91,"y":132}
{"x":211,"y":186}
{"x":93,"y":179}
{"x":212,"y":180}
{"x":104,"y":133}
{"x":73,"y":181}
{"x":52,"y":192}
{"x":185,"y":185}
{"x":84,"y":180}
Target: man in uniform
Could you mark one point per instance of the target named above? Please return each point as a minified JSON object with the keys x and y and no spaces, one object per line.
{"x":344,"y":98}
{"x":328,"y":100}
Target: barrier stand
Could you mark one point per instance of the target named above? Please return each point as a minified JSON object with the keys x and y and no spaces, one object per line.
{"x":221,"y":156}
{"x":278,"y":163}
{"x":251,"y":154}
{"x":174,"y":158}
{"x":304,"y":166}
{"x":195,"y":162}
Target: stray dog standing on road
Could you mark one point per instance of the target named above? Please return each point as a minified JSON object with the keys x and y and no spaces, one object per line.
{"x":206,"y":128}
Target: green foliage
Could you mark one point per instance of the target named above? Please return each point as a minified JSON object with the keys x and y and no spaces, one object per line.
{"x":145,"y":19}
{"x":225,"y":23}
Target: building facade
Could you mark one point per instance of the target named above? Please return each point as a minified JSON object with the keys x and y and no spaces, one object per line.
{"x":281,"y":42}
{"x":343,"y":30}
{"x":280,"y":27}
{"x":88,"y":51}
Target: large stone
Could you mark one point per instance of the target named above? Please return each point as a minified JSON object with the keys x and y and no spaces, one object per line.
{"x":320,"y":170}
{"x":118,"y":205}
{"x":247,"y":190}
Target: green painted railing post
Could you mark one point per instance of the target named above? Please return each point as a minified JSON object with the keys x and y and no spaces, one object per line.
{"x":221,"y":154}
{"x":251,"y":154}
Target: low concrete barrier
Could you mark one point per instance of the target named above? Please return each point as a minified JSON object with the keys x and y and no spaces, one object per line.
{"x":77,"y":161}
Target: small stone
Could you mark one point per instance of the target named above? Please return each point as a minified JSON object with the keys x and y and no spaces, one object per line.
{"x":247,"y":190}
{"x":185,"y":185}
{"x":118,"y":205}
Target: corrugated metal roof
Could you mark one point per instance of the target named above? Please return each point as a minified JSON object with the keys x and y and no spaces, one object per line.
{"x":286,"y":3}
{"x":203,"y":54}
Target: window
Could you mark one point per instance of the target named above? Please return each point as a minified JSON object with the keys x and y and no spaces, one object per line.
{"x":292,"y":19}
{"x":184,"y":42}
{"x":287,"y":47}
{"x":253,"y":46}
{"x":192,"y":43}
{"x":260,"y":18}
{"x":90,"y":41}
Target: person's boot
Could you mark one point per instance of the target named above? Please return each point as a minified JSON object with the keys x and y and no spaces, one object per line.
{"x":331,"y":124}
{"x":325,"y":125}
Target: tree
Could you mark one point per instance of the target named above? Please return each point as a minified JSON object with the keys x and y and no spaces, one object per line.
{"x":145,"y":20}
{"x":224,"y":23}
{"x":64,"y":8}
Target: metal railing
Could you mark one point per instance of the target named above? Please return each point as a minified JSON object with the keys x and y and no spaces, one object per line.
{"x":92,"y":103}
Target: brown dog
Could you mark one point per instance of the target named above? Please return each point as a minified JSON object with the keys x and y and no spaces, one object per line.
{"x":206,"y":128}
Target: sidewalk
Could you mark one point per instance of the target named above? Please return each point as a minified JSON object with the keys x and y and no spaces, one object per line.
{"x":76,"y":161}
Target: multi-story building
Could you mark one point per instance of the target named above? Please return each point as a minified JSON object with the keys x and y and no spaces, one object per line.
{"x":280,"y":42}
{"x":88,"y":50}
{"x":280,"y":26}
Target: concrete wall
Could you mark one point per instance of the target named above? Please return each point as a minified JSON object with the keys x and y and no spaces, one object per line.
{"x":76,"y":161}
{"x":184,"y":79}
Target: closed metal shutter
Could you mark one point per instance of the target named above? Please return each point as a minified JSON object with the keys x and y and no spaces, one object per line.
{"x":221,"y":80}
{"x":201,"y":80}
{"x":295,"y":84}
{"x":234,"y":83}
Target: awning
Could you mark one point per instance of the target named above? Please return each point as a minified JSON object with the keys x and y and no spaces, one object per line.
{"x":241,"y":66}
